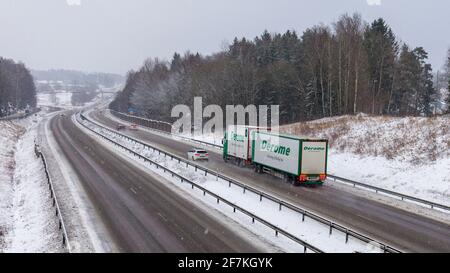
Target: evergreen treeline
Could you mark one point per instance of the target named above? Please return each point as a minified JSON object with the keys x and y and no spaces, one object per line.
{"x":17,"y":90}
{"x":346,"y":68}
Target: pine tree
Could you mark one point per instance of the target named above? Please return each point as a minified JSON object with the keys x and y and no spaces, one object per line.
{"x":382,"y":48}
{"x":429,"y":92}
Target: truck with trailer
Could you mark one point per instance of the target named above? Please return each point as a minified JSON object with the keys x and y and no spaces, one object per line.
{"x":237,"y":143}
{"x":298,"y":160}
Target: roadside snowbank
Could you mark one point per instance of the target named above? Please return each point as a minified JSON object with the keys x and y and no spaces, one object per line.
{"x":9,"y":134}
{"x":408,"y":155}
{"x":27,"y":213}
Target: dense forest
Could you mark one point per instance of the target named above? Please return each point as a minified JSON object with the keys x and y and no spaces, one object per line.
{"x":348,"y":67}
{"x":17,"y":90}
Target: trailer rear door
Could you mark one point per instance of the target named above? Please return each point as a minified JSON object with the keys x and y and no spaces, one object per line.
{"x":314,"y":157}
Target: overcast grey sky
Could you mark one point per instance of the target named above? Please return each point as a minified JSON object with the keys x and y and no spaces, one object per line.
{"x":117,"y":35}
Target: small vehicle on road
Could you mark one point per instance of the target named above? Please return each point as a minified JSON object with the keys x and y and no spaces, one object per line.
{"x":120,"y":127}
{"x":197,"y":154}
{"x":133,"y":126}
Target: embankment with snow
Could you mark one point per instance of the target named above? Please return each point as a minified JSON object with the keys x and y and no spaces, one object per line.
{"x":27,"y":221}
{"x":410,"y":155}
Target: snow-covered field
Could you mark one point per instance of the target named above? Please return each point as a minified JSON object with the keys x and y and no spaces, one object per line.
{"x":407,"y":155}
{"x":27,"y":220}
{"x":59,"y":99}
{"x":311,"y":231}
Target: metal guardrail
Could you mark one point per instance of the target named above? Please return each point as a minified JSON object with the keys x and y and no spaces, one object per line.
{"x":20,"y":116}
{"x":156,"y":126}
{"x":304,"y":213}
{"x":141,"y":121}
{"x":61,"y":225}
{"x":205,"y":191}
{"x":393,"y":193}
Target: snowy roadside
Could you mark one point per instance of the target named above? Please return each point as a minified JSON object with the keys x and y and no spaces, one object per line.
{"x":27,"y":213}
{"x":9,"y":135}
{"x":409,"y":155}
{"x":86,"y":231}
{"x":430,"y":182}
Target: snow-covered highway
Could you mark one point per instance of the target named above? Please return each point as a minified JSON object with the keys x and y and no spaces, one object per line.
{"x":405,"y":230}
{"x":141,"y":213}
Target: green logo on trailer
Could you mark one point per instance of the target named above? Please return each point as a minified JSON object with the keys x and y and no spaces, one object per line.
{"x":277,"y":149}
{"x":237,"y":137}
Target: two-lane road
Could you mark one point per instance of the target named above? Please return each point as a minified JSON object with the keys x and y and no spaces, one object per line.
{"x":402,"y":229}
{"x":141,"y":213}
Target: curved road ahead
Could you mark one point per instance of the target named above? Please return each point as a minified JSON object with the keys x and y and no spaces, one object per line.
{"x":141,"y":213}
{"x":404,"y":230}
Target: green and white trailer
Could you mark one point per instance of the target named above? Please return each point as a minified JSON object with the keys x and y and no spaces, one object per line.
{"x":237,"y":143}
{"x":300,"y":160}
